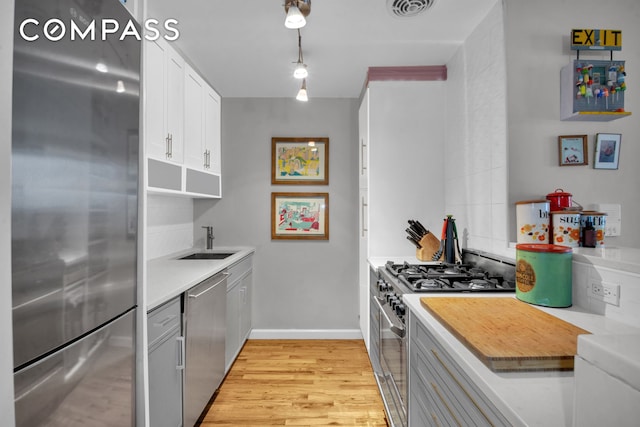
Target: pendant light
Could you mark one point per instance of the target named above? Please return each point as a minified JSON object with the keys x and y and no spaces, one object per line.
{"x":302,"y":93}
{"x":296,"y":11}
{"x":294,"y":19}
{"x":301,"y":68}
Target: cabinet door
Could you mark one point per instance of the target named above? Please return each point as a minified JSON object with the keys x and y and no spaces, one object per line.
{"x":155,"y":129}
{"x":175,"y":104}
{"x":194,"y":152}
{"x":363,"y":266}
{"x":245,"y":308}
{"x":212,"y":130}
{"x":165,"y":383}
{"x":232,"y":345}
{"x":363,"y":141}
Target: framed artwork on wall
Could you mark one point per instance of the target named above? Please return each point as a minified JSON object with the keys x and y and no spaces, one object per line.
{"x":572,"y":150}
{"x":299,"y":161}
{"x":300,"y":216}
{"x":607,"y":151}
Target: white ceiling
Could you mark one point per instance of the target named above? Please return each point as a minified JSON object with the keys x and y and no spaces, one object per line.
{"x":243,"y":49}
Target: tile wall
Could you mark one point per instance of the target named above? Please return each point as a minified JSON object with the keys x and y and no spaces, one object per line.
{"x":169,"y":225}
{"x":476,"y":152}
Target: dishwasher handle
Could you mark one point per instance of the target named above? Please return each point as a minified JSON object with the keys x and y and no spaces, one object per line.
{"x":225,"y":274}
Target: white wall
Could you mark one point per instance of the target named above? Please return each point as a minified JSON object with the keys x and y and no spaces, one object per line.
{"x":406,"y":148}
{"x":6,"y":79}
{"x":537,"y":43}
{"x":302,"y":285}
{"x":475,"y":177}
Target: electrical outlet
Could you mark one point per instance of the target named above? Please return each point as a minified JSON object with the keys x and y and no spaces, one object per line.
{"x":611,"y":293}
{"x":607,"y":292}
{"x":597,"y":290}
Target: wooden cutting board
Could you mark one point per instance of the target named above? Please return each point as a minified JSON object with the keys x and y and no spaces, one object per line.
{"x":507,"y":334}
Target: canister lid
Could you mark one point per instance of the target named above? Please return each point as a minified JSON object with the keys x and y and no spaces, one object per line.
{"x":543,"y":247}
{"x":593,"y":213}
{"x":559,"y":193}
{"x":522,"y":202}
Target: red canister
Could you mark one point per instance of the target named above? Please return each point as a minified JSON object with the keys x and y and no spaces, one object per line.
{"x":559,"y":200}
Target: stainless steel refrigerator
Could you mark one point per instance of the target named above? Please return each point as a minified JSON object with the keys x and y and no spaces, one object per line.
{"x":74,"y":216}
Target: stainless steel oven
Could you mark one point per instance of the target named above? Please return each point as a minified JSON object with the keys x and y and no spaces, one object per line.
{"x":393,"y":361}
{"x":478,"y":272}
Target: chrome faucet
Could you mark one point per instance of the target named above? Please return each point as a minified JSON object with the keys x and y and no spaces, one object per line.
{"x":209,"y":236}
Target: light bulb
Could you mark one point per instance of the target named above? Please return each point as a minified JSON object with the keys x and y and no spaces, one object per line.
{"x":302,"y":93}
{"x":301,"y":71}
{"x":120,"y":86}
{"x":295,"y":18}
{"x":102,"y":67}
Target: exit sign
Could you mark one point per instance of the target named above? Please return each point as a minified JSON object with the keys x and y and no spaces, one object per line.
{"x":589,"y":39}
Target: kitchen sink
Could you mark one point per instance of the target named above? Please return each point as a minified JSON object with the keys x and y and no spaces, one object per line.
{"x":209,"y":255}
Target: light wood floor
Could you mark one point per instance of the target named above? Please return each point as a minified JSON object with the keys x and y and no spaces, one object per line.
{"x":299,"y":383}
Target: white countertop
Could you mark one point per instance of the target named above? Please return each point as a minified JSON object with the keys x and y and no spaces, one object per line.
{"x":524,"y":398}
{"x":169,"y":276}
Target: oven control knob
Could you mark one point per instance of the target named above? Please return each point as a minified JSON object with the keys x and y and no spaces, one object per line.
{"x":382,"y":286}
{"x":400,"y":310}
{"x":389,"y":296}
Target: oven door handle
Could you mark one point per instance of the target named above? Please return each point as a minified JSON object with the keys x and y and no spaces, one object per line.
{"x":397,"y":330}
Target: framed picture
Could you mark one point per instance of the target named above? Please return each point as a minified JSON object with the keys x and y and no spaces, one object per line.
{"x":300,"y":216}
{"x":300,"y":161}
{"x":572,"y":150}
{"x":607,"y":150}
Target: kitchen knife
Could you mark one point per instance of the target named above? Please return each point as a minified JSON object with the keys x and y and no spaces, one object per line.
{"x":413,"y":234}
{"x":421,"y":227}
{"x":418,"y":245}
{"x":416,"y":228}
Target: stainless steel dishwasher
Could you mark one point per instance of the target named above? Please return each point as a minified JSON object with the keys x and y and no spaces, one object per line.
{"x":205,"y":324}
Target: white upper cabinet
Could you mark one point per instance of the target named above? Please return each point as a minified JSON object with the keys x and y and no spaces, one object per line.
{"x":164,"y":101}
{"x":194,"y":153}
{"x":212,"y":131}
{"x":181,"y":126}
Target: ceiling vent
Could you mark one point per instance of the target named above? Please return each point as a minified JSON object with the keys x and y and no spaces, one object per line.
{"x":408,"y":8}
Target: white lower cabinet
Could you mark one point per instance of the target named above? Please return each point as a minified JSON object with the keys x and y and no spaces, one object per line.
{"x":238,"y":308}
{"x":166,"y":364}
{"x":440,"y":393}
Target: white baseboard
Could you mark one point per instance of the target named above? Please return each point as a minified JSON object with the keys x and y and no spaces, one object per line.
{"x":308,"y":334}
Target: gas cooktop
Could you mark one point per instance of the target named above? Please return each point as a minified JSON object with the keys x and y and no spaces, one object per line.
{"x":444,"y":277}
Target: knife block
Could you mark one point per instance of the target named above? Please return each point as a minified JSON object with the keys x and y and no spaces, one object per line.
{"x":430,"y":245}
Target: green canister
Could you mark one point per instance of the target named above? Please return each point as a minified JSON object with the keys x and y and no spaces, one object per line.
{"x":543,"y":274}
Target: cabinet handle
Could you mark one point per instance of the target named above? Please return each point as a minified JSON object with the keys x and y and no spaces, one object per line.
{"x":180,"y":364}
{"x":208,"y":153}
{"x":363,"y":227}
{"x":362,"y":167}
{"x":170,"y":145}
{"x":164,"y":321}
{"x":205,"y":159}
{"x":168,"y":152}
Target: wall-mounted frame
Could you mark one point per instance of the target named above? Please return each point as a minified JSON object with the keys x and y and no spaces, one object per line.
{"x":300,"y":216}
{"x":607,"y":151}
{"x":572,"y":150}
{"x":299,"y":161}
